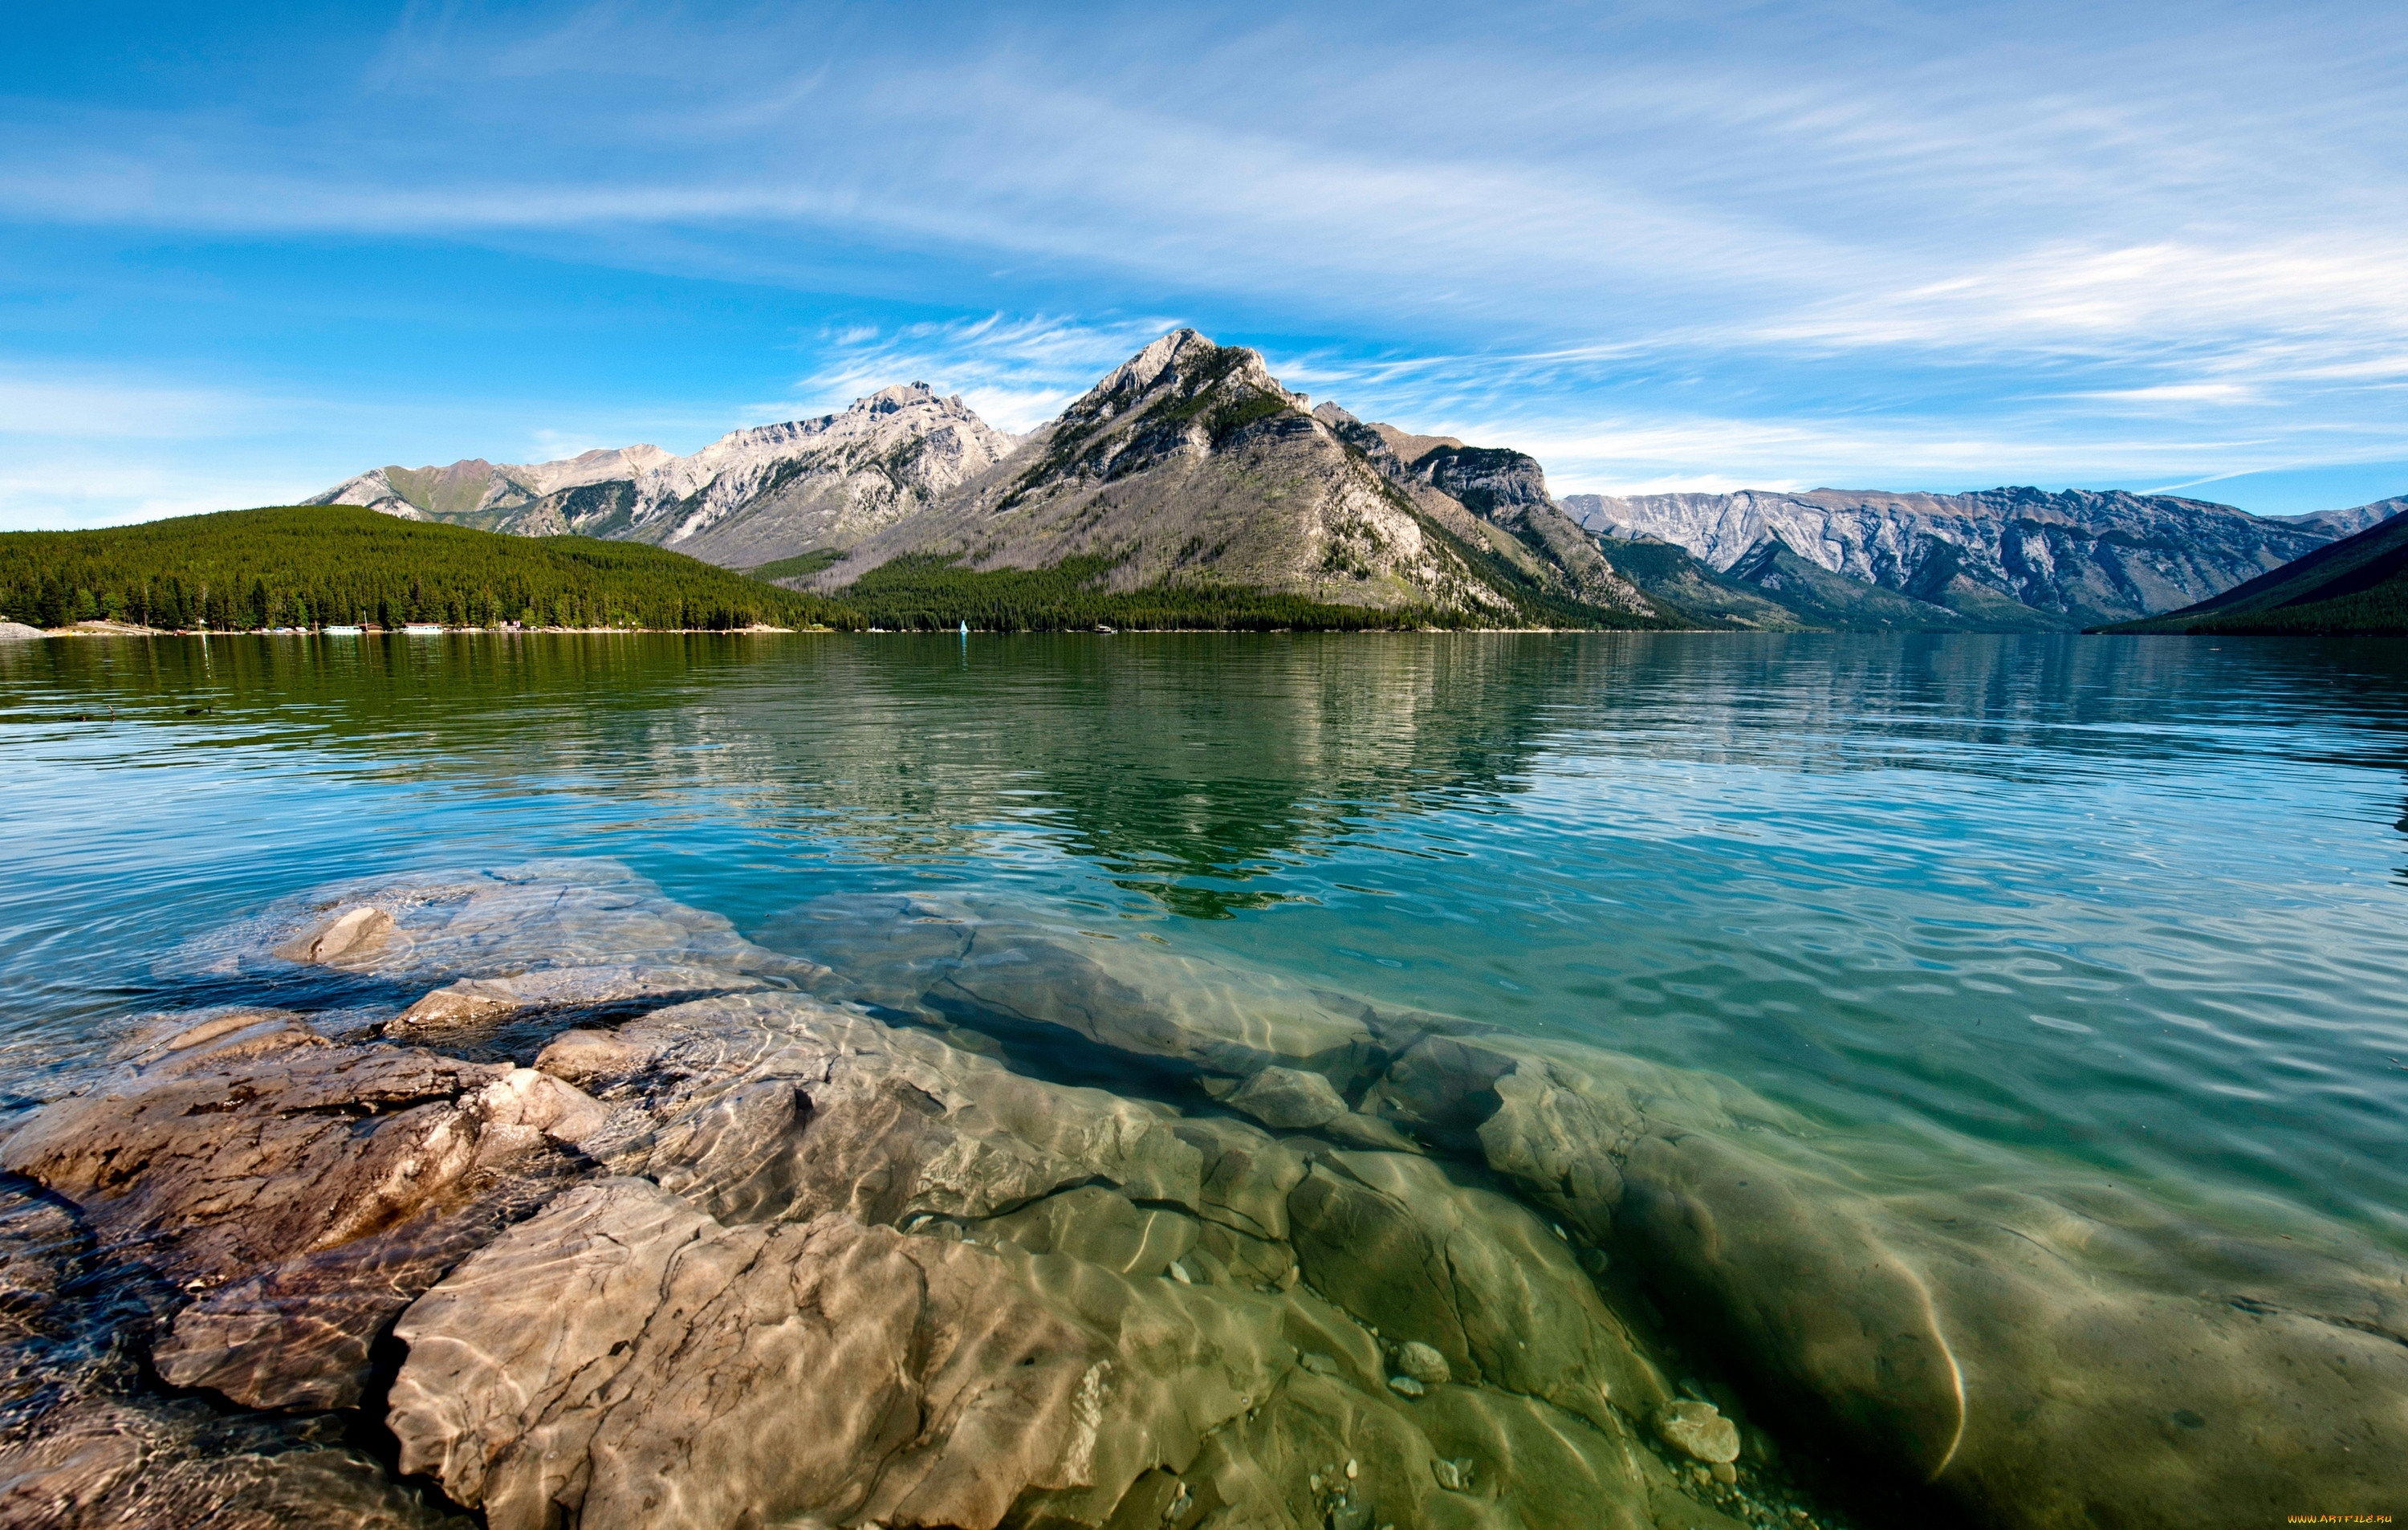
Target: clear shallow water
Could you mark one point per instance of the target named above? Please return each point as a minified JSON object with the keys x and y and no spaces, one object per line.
{"x":2131,"y":905}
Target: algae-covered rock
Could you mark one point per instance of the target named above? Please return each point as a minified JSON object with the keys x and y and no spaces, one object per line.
{"x":1518,"y":1463}
{"x":2017,"y":1348}
{"x":1469,"y":1274}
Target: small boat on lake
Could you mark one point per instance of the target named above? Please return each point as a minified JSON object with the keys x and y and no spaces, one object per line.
{"x":340,"y":631}
{"x":422,"y":629}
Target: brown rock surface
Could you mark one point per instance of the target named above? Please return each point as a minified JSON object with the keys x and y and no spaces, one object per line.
{"x":309,"y":1191}
{"x":473,"y":1001}
{"x":626,"y":1359}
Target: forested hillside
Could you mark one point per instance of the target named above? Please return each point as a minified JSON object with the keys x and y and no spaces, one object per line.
{"x":319,"y":566}
{"x":928,"y":593}
{"x":2359,"y":584}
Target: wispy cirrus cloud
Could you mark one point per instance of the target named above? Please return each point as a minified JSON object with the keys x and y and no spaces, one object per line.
{"x":1848,"y":242}
{"x":1017,"y":372}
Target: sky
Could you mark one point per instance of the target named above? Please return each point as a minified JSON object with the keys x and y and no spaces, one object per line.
{"x":248,"y":251}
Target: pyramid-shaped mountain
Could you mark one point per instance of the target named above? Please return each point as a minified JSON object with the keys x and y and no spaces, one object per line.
{"x":1191,"y":465}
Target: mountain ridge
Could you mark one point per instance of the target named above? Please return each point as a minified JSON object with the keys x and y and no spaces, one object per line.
{"x":1191,"y":467}
{"x":2359,"y":584}
{"x":1192,"y":463}
{"x":2082,"y":557}
{"x":751,"y":496}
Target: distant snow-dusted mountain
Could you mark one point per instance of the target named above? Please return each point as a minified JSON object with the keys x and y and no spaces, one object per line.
{"x":750,"y":498}
{"x":2081,"y":557}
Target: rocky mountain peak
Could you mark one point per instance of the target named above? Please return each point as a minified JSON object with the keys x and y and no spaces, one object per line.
{"x":901,"y":395}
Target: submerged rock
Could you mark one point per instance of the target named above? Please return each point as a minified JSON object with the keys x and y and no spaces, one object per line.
{"x":1423,"y":1363}
{"x":1697,"y":1430}
{"x":1289,"y":1099}
{"x":778,"y":1106}
{"x":473,"y":1001}
{"x":307,"y":1191}
{"x":2020,"y":1348}
{"x":1478,"y":1280}
{"x":504,"y":921}
{"x":627,"y":1359}
{"x":759,"y":1252}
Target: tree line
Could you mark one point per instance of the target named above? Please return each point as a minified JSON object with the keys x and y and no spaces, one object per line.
{"x":319,"y":566}
{"x":933,"y":592}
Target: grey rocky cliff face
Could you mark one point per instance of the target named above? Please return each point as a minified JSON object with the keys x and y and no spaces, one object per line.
{"x":815,"y":1248}
{"x":1191,"y":461}
{"x":752,"y":497}
{"x":2084,"y":557}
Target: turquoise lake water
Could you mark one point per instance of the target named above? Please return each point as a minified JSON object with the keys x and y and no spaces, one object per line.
{"x":2136,"y":906}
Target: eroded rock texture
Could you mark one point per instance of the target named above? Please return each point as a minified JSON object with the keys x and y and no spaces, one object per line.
{"x":303,"y":1192}
{"x":737,"y":1253}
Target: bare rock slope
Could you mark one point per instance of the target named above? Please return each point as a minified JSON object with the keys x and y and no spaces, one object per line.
{"x":1191,"y":462}
{"x":752,"y":497}
{"x":2011,"y":557}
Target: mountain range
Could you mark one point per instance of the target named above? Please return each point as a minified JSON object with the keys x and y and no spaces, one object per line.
{"x":1191,"y":468}
{"x":749,"y":498}
{"x":2359,"y":584}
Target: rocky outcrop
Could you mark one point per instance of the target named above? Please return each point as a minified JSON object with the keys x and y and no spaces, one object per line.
{"x":304,"y":1191}
{"x":1494,"y":502}
{"x":750,"y":498}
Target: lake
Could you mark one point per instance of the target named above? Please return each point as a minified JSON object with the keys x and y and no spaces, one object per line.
{"x":2089,"y":910}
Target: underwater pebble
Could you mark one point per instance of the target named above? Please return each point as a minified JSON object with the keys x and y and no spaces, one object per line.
{"x":1699,"y":1429}
{"x":1320,"y":1364}
{"x":1454,"y":1476}
{"x":1405,"y":1386}
{"x":1422,"y":1363}
{"x":1350,"y":1473}
{"x":1726,"y":1473}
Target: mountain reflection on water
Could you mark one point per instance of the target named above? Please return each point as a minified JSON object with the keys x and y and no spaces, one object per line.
{"x":2087,"y":947}
{"x":2135,"y":902}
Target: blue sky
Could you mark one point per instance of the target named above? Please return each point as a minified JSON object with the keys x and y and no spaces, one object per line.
{"x":248,"y":251}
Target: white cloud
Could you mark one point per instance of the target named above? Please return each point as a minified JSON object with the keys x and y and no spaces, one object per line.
{"x":1017,"y":372}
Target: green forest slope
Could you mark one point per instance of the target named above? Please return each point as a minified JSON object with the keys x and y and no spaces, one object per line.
{"x":2359,"y":584}
{"x":932,"y":592}
{"x":315,"y":566}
